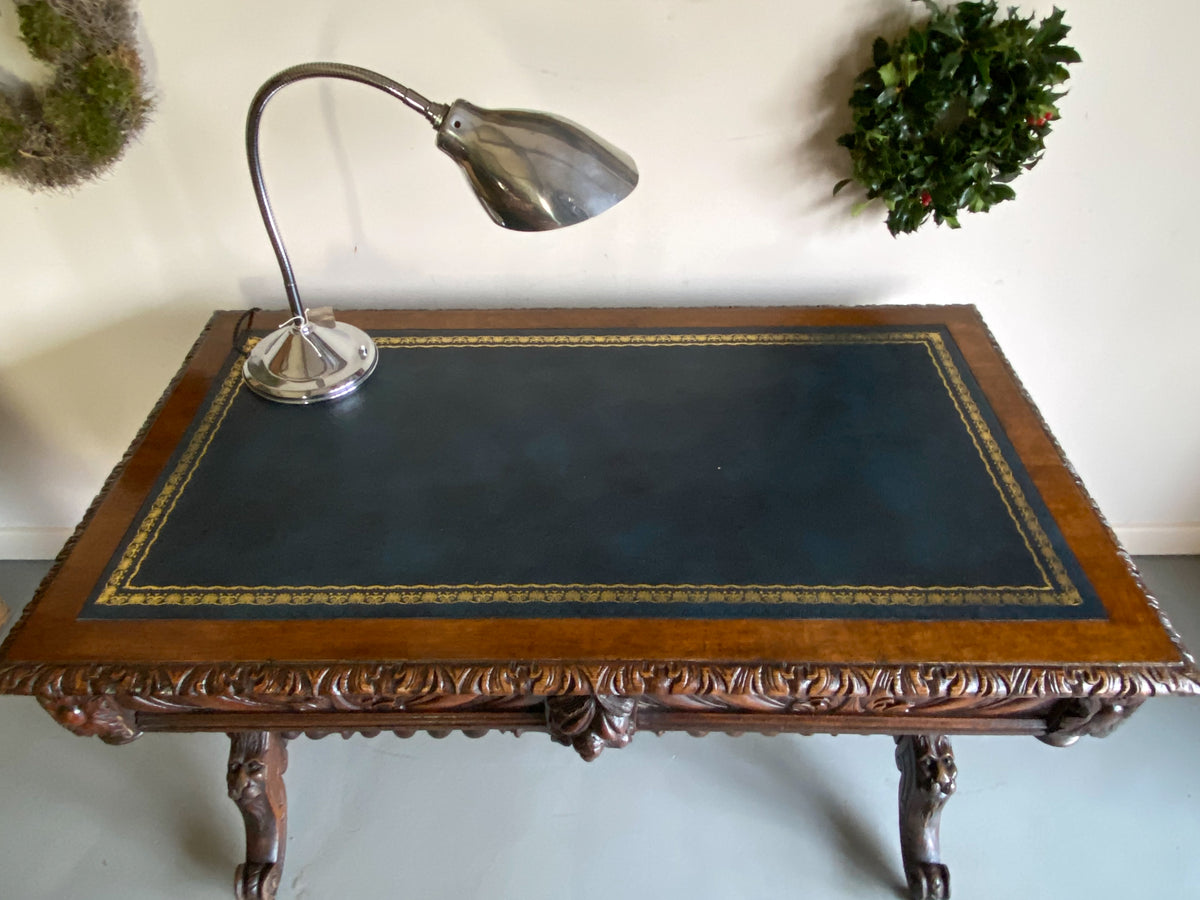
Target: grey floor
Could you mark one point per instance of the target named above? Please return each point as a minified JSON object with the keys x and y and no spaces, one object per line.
{"x":671,"y":817}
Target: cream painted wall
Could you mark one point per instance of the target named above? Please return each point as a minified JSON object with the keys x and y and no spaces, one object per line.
{"x":730,"y":109}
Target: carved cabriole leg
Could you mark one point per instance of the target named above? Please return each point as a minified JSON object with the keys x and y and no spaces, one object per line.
{"x":1070,"y":719}
{"x":99,"y":716}
{"x":257,"y":761}
{"x":589,"y":723}
{"x":927,"y":773}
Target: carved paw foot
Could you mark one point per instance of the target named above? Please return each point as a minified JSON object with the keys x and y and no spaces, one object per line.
{"x":928,"y":881}
{"x":256,"y":881}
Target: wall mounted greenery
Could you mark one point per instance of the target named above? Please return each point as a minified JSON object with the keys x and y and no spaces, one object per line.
{"x":79,"y":124}
{"x":951,"y":112}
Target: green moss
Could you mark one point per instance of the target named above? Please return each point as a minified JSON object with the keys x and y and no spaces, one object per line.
{"x":47,"y":33}
{"x":75,"y":128}
{"x":110,"y":82}
{"x":92,"y":108}
{"x":11,"y":133}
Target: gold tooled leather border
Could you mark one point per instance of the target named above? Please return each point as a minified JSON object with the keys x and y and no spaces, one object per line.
{"x":1057,"y":589}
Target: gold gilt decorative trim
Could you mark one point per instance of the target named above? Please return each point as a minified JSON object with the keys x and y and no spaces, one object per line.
{"x":1055,"y":589}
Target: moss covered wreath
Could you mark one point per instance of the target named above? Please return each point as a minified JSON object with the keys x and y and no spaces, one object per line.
{"x":79,"y":124}
{"x":950,"y":113}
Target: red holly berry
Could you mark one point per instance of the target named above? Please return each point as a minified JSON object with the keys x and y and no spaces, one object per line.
{"x":926,"y":198}
{"x":1032,"y":121}
{"x":1048,"y":116}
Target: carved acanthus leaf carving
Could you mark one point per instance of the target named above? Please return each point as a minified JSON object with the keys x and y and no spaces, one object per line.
{"x":1069,"y":720}
{"x":591,"y":723}
{"x":100,"y":717}
{"x":792,"y":689}
{"x":110,"y":482}
{"x":1126,"y":558}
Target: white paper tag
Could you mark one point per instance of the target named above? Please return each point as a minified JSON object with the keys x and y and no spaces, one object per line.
{"x":322,"y":315}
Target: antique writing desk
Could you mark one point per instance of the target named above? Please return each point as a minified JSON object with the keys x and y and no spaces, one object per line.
{"x":597,"y":522}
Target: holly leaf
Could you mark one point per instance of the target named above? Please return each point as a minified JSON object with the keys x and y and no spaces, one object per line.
{"x":983,"y":65}
{"x":1062,"y":54}
{"x":881,"y":52}
{"x":950,"y":64}
{"x":997,"y":193}
{"x":948,"y":27}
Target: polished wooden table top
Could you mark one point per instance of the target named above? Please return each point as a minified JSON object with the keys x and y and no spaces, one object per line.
{"x":827,"y":511}
{"x":594,"y":522}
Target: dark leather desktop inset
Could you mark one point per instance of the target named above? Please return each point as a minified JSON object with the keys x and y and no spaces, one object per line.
{"x":786,"y":473}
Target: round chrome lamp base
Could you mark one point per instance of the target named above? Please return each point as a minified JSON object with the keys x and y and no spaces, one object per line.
{"x":306,"y":363}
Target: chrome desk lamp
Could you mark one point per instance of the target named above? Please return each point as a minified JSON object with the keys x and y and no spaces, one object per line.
{"x":531,"y":171}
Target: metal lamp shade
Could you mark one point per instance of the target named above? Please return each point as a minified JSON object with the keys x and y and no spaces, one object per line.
{"x":534,"y":171}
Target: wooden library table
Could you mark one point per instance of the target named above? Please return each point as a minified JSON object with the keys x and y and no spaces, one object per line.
{"x":597,"y":522}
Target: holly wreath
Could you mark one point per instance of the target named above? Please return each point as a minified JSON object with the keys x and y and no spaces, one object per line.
{"x":950,"y":113}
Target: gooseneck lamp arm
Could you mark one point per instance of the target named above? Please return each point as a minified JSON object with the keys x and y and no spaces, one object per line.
{"x":530,"y":171}
{"x":433,"y":112}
